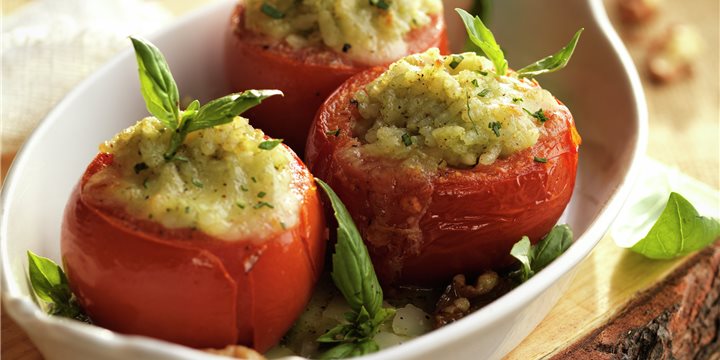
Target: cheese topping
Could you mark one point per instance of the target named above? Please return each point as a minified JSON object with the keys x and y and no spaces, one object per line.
{"x":450,"y":110}
{"x":220,"y":182}
{"x":369,"y":31}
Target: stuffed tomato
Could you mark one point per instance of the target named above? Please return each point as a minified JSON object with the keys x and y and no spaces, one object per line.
{"x":307,"y":49}
{"x":445,"y":164}
{"x":221,"y":244}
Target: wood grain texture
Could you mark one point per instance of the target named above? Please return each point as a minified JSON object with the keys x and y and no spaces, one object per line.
{"x":677,"y":319}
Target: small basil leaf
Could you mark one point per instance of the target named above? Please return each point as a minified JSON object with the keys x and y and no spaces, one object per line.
{"x":365,"y":347}
{"x":178,"y":137}
{"x":342,"y":351}
{"x":50,"y":285}
{"x":381,"y":317}
{"x":481,"y":36}
{"x":336,"y":334}
{"x":678,"y":231}
{"x":352,"y":272}
{"x":47,"y":279}
{"x":522,"y":250}
{"x":553,"y":62}
{"x":194,"y":106}
{"x":223,"y":110}
{"x":551,"y":246}
{"x":156,"y":83}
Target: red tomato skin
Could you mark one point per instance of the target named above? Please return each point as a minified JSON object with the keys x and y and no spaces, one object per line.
{"x":424,"y":228}
{"x":137,"y":277}
{"x":306,"y":77}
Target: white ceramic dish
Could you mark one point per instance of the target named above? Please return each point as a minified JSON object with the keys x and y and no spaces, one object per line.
{"x":600,"y":86}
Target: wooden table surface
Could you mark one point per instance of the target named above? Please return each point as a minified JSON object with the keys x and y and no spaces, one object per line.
{"x":684,"y":133}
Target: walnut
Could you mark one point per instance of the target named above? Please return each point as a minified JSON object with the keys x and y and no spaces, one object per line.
{"x":456,"y":302}
{"x":636,"y":11}
{"x":671,"y":55}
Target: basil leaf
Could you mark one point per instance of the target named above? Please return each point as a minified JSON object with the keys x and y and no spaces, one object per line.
{"x":337,"y":334}
{"x":47,"y":279}
{"x":217,"y":112}
{"x":481,"y":36}
{"x":678,"y":231}
{"x":553,"y":62}
{"x":534,"y":258}
{"x":50,"y":285}
{"x":551,"y":246}
{"x":522,"y":250}
{"x":223,"y":110}
{"x":352,"y":272}
{"x":347,"y":350}
{"x":156,"y":83}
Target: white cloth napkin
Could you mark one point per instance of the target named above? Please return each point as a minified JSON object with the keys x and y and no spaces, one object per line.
{"x":650,"y":195}
{"x":49,"y":46}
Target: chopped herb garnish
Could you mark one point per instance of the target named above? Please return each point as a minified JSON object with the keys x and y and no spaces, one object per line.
{"x":406,"y":139}
{"x":475,"y":83}
{"x":187,"y":209}
{"x":253,"y":179}
{"x":335,"y":132}
{"x":483,"y":73}
{"x":270,"y":144}
{"x":467,"y":104}
{"x":272,"y":11}
{"x":540,"y":159}
{"x":456,"y":60}
{"x":484,"y":93}
{"x":140,"y":167}
{"x":282,"y":225}
{"x":243,"y":188}
{"x":197,"y":182}
{"x":240,"y":205}
{"x":263,"y":203}
{"x":538,"y":115}
{"x":261,"y":194}
{"x":346,"y":47}
{"x":380,"y":4}
{"x":181,"y":158}
{"x":495,"y":126}
{"x":517,"y":100}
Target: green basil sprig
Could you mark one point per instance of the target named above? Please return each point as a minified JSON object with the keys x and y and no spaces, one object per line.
{"x":534,"y":258}
{"x":482,"y":37}
{"x":678,"y":231}
{"x":553,"y":62}
{"x":49,"y":283}
{"x":354,"y":276}
{"x":161,"y":97}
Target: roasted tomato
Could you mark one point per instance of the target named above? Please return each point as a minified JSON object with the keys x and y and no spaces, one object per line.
{"x":137,"y":277}
{"x":306,"y":76}
{"x":424,"y":228}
